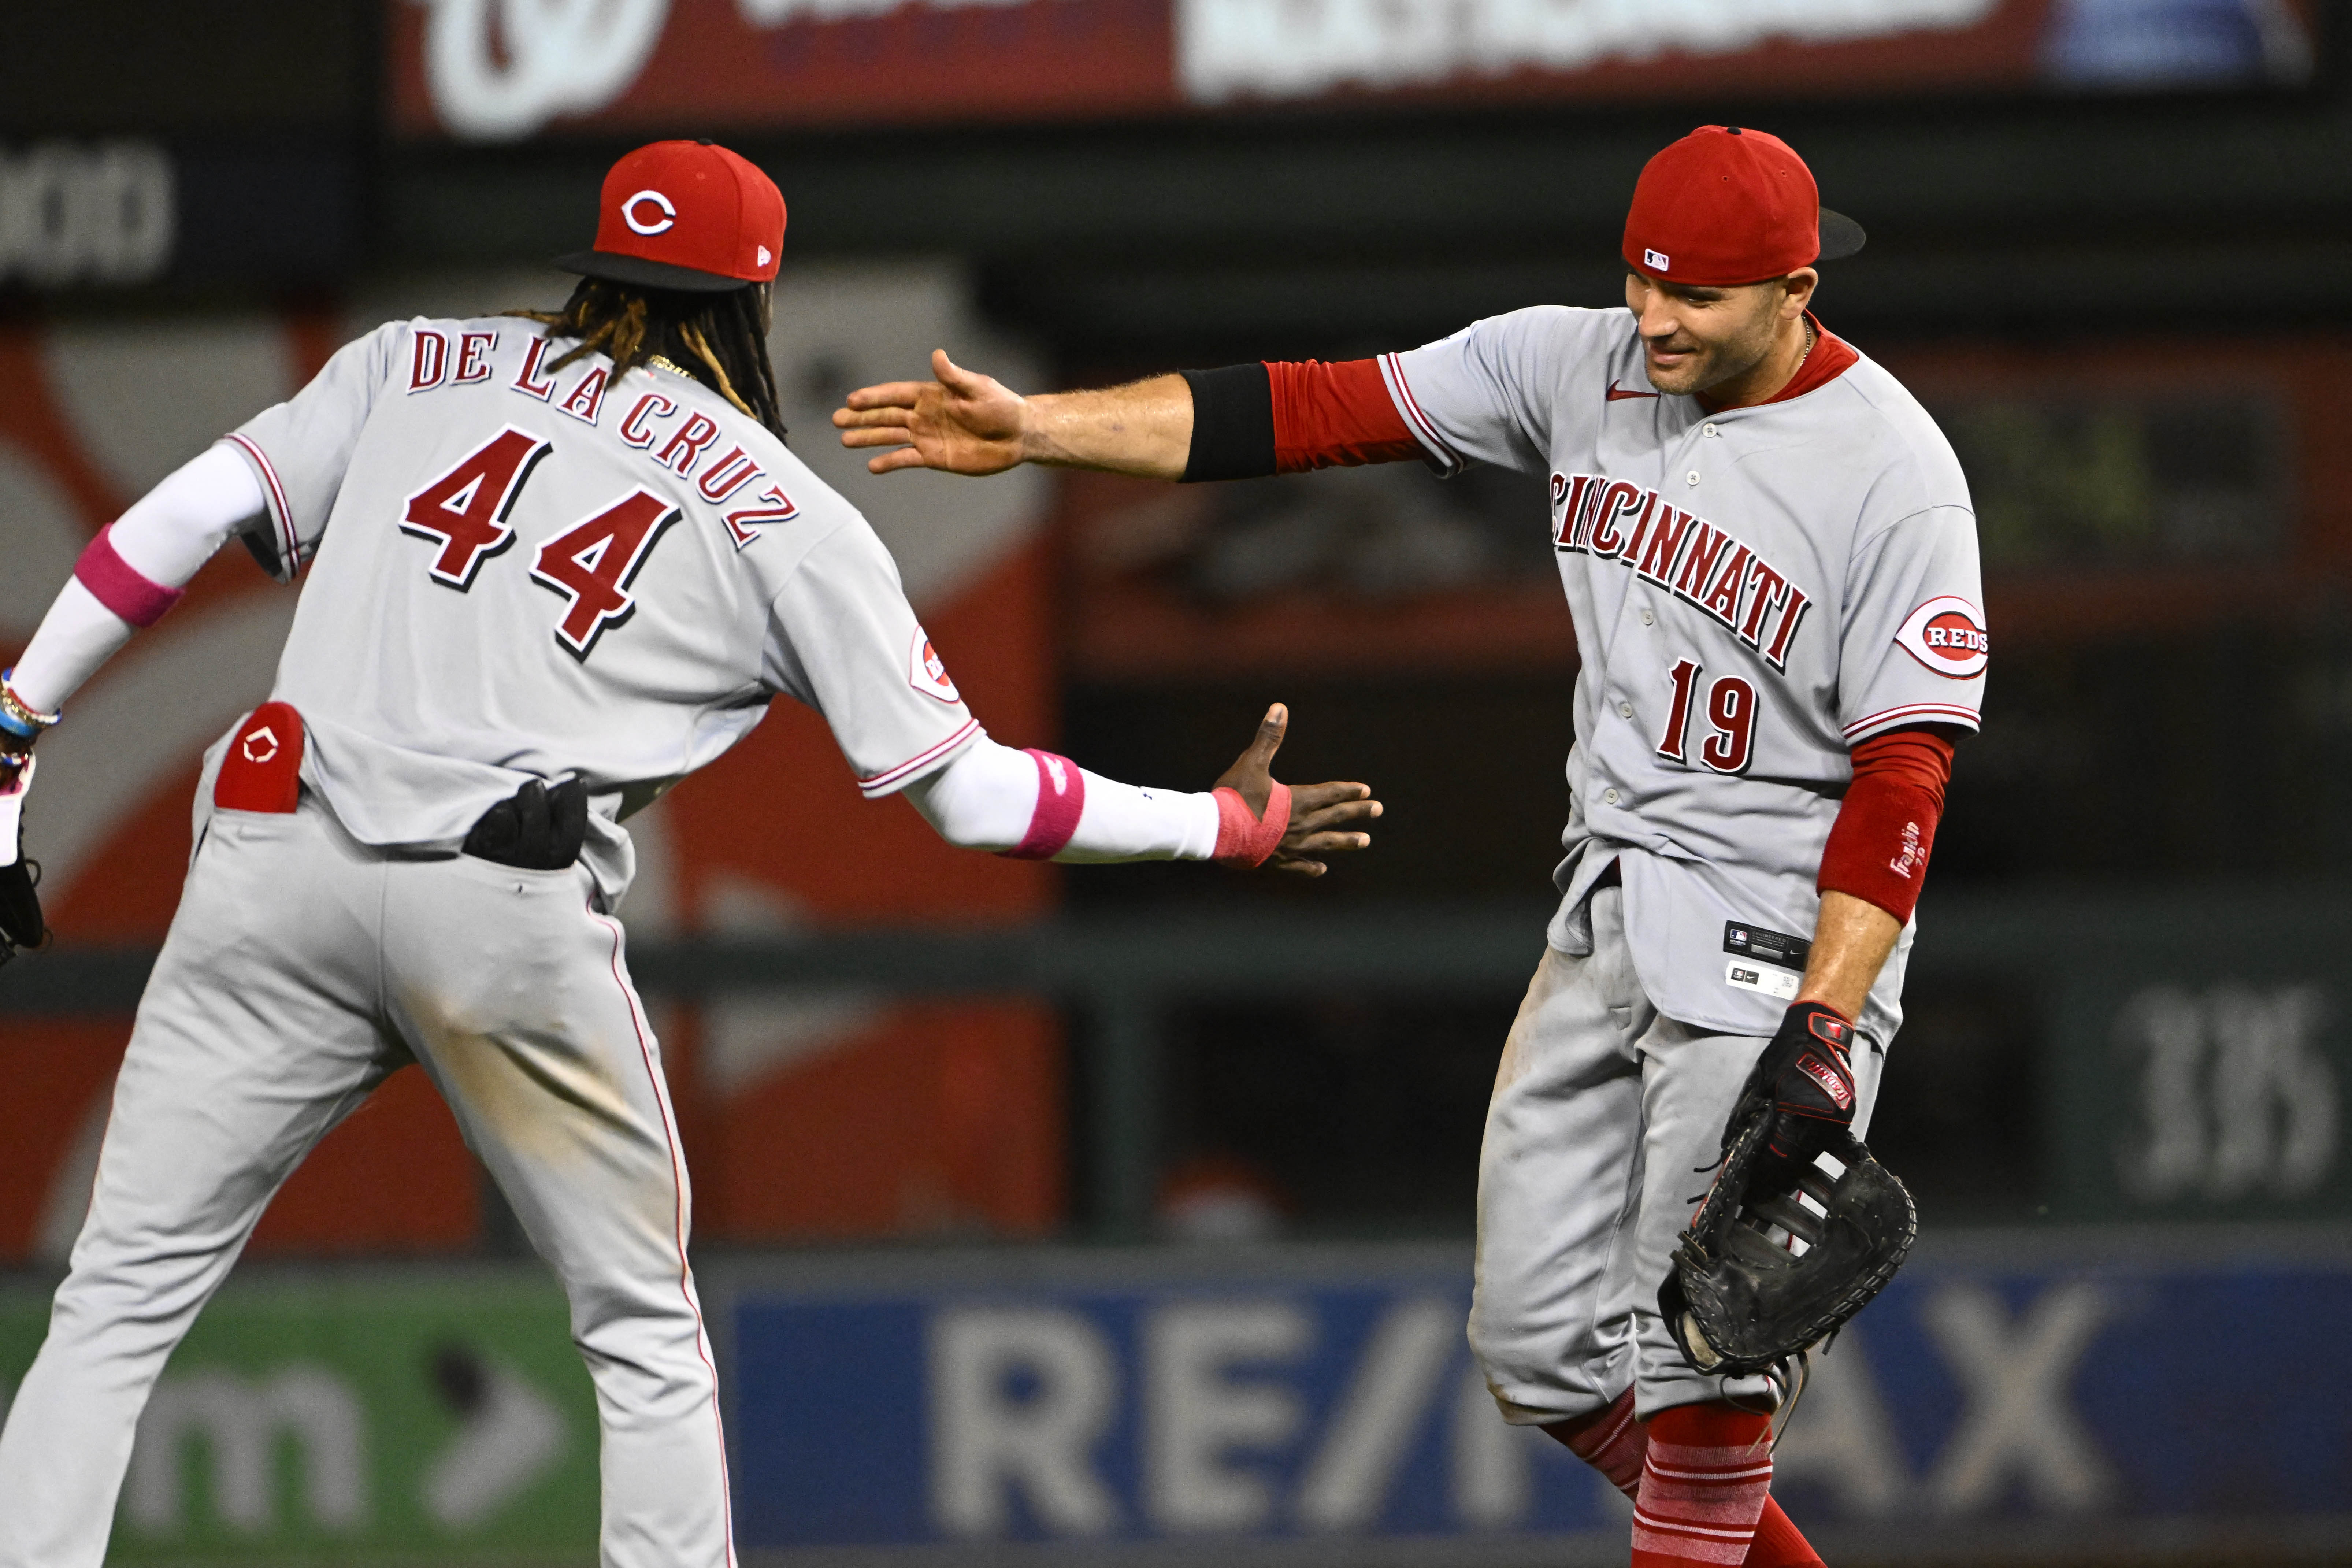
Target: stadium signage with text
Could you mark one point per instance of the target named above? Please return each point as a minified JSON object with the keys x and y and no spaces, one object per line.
{"x":139,"y":212}
{"x":86,"y":213}
{"x":2003,"y":1396}
{"x":431,"y":1416}
{"x":504,"y":70}
{"x":2043,"y":1391}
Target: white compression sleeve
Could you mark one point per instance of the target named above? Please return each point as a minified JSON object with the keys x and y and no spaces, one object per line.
{"x":171,"y":531}
{"x":982,"y":800}
{"x":165,"y":537}
{"x":76,"y":636}
{"x":1127,"y":822}
{"x":986,"y":797}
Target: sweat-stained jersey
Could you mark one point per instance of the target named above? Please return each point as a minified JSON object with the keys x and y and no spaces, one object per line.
{"x":516,"y":571}
{"x":1754,"y":592}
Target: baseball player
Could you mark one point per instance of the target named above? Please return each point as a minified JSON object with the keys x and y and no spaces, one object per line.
{"x":1769,"y":556}
{"x":555,"y":565}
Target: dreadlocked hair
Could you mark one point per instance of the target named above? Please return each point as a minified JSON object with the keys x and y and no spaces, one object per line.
{"x":721,"y":340}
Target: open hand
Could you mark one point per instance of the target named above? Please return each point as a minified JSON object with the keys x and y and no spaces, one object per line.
{"x":1321,"y":814}
{"x":963,"y":422}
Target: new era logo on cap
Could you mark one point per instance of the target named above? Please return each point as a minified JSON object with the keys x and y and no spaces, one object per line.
{"x":1657,"y":260}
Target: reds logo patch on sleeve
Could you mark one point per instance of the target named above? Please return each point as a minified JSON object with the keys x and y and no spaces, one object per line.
{"x":927,"y":672}
{"x":1948,"y":635}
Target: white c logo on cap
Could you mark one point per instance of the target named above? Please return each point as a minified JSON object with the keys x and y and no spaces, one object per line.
{"x":668,"y":217}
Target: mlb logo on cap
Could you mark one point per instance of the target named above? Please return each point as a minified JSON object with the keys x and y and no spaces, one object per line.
{"x":685,"y":215}
{"x":1657,"y":260}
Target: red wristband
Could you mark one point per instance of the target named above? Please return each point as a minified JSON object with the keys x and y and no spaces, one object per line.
{"x":116,"y":583}
{"x":1060,"y":801}
{"x":1244,"y":838}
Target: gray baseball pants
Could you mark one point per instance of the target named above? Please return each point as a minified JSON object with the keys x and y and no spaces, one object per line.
{"x":1605,"y":1118}
{"x":301,"y":969}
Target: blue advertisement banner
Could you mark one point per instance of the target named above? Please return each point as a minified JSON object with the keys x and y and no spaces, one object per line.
{"x":2013,"y":1391}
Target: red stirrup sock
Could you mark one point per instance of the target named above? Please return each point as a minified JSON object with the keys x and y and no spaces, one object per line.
{"x":1779,"y":1544}
{"x":1705,"y":1483}
{"x":1609,"y":1440}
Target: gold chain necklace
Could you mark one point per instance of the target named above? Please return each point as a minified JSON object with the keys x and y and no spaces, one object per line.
{"x":661,"y":362}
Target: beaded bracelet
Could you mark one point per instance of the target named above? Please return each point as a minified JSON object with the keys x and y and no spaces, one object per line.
{"x":20,"y":717}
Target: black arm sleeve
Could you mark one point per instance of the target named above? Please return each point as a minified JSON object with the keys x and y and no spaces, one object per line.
{"x":1233,"y":424}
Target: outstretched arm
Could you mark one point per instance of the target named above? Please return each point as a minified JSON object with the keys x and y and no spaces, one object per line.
{"x":1035,"y":805}
{"x":966,"y":423}
{"x":130,"y":574}
{"x":1242,"y":422}
{"x":133,"y":572}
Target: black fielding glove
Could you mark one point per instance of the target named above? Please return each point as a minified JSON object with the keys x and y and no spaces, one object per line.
{"x":536,"y":828}
{"x":21,"y":924}
{"x":1805,"y":1079}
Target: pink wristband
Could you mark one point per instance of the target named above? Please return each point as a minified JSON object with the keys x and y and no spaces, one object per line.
{"x":1060,"y":801}
{"x":116,"y":583}
{"x":1243,"y":839}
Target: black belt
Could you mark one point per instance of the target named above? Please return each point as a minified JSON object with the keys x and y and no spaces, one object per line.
{"x":534,"y":829}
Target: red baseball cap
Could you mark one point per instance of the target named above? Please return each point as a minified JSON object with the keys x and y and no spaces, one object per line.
{"x":685,"y":215}
{"x":1725,"y":205}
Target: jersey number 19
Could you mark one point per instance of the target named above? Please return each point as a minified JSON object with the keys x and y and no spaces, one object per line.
{"x":1730,"y":714}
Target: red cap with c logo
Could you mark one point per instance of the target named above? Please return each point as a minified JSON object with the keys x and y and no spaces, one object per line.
{"x":685,"y":215}
{"x":1726,"y":206}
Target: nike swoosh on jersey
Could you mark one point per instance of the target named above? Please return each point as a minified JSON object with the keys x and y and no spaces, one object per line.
{"x":1619,"y":394}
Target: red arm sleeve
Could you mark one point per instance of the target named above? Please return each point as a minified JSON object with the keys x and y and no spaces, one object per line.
{"x":1330,"y":415}
{"x":1878,"y":848}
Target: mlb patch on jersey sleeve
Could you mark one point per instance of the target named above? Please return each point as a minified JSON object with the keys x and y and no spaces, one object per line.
{"x":927,"y":672}
{"x":1947,"y":634}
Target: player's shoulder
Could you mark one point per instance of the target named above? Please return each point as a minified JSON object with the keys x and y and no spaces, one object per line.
{"x":426,"y":349}
{"x":377,"y":348}
{"x":778,"y":509}
{"x":408,"y":329}
{"x":1566,"y":327}
{"x":1896,"y":439}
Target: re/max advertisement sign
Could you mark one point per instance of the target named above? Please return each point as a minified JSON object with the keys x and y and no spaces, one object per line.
{"x":2012,"y":1393}
{"x":1304,"y":1406}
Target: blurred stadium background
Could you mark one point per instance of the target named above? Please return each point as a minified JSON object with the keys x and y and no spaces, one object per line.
{"x":1122,"y":1214}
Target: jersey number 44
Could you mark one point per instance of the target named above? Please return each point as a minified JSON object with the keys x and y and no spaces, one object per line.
{"x":590,"y":565}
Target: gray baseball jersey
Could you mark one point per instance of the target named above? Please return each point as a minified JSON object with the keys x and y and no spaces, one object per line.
{"x":1754,"y":592}
{"x":518,"y":571}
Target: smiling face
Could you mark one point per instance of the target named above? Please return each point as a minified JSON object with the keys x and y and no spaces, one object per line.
{"x":1696,"y":339}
